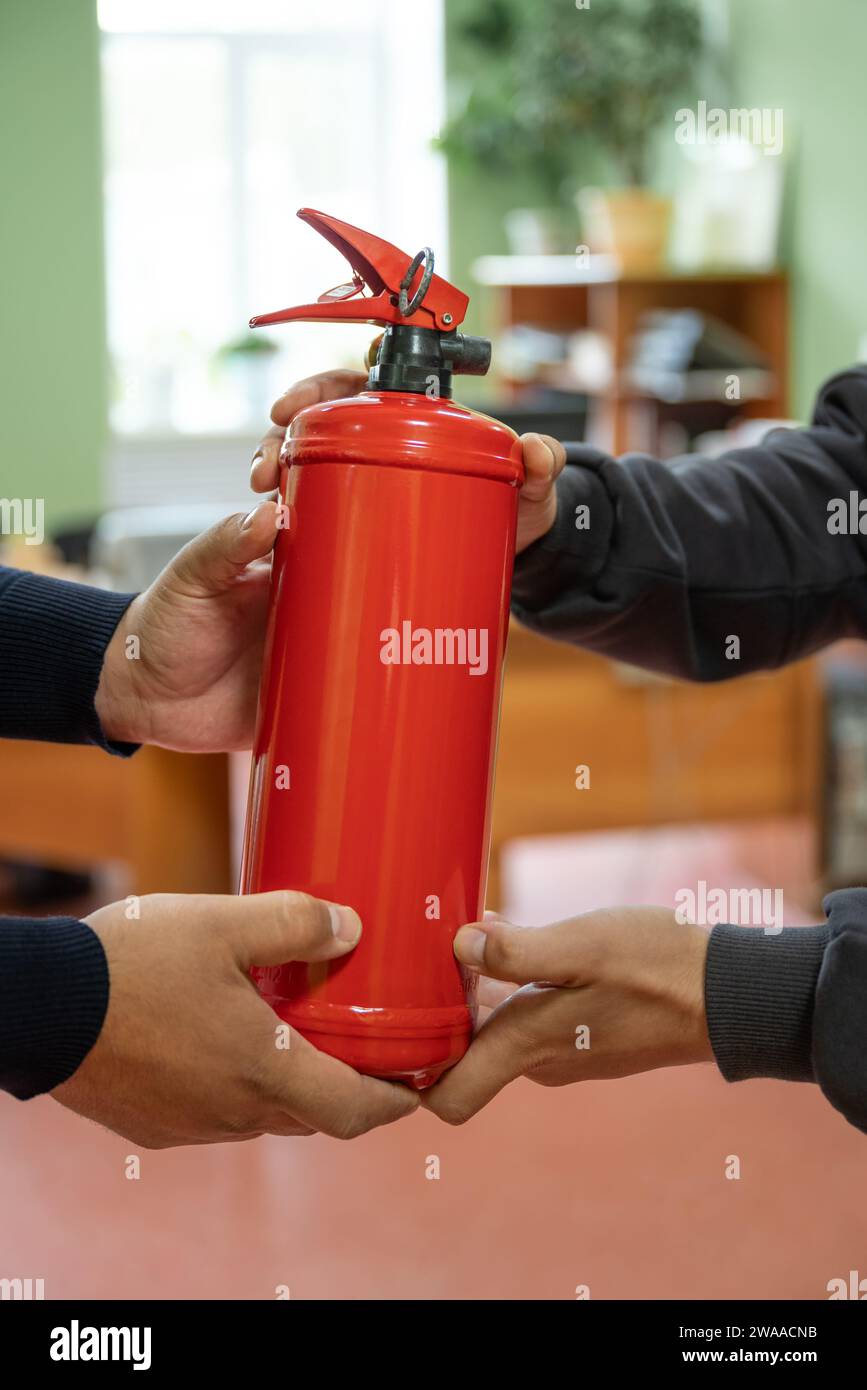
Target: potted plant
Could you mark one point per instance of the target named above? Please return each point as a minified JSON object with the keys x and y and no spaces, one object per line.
{"x":558,"y":82}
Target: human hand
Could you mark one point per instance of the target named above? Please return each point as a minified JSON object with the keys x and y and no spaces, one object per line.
{"x":544,"y":457}
{"x":188,"y":1051}
{"x":200,"y":631}
{"x":606,"y":994}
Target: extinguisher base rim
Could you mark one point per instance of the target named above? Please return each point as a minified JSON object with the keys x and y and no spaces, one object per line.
{"x":412,"y":1046}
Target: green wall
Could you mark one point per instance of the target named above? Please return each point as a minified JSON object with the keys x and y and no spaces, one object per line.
{"x":52,"y":343}
{"x":809,"y":59}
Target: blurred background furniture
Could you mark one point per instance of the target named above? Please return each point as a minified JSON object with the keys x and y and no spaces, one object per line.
{"x":160,"y":819}
{"x":658,"y":751}
{"x":566,"y":295}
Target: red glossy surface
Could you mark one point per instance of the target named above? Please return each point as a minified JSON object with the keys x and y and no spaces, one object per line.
{"x":401,"y":510}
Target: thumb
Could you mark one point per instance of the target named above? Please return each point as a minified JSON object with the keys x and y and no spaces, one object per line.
{"x":562,"y":954}
{"x":213,"y":561}
{"x":544,"y":459}
{"x":272,"y":928}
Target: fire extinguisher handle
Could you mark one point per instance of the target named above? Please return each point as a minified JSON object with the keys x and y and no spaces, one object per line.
{"x":399,"y":289}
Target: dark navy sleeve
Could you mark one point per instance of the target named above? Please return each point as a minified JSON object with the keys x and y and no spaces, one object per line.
{"x":53,"y":998}
{"x":53,"y":636}
{"x":54,"y":982}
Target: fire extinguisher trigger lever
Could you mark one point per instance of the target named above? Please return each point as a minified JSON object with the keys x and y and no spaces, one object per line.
{"x":420,"y":312}
{"x":402,"y":287}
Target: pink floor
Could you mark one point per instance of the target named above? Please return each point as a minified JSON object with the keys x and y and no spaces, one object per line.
{"x":619,"y":1186}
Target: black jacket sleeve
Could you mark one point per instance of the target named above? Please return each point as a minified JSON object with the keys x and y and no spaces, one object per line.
{"x":794,"y":1005}
{"x":662,"y":564}
{"x":671,"y":560}
{"x":53,"y":972}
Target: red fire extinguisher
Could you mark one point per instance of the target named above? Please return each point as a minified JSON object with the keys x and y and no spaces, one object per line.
{"x":374,"y":754}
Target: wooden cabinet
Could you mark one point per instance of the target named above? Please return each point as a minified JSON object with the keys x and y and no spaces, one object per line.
{"x":657,"y":750}
{"x":163,"y":815}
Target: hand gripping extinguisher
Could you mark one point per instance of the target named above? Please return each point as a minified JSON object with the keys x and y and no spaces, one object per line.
{"x":378,"y":710}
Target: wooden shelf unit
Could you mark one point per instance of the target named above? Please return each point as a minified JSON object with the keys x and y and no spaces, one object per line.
{"x":560,"y":294}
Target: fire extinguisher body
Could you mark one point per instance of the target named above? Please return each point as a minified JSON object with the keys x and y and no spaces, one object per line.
{"x":374,"y":755}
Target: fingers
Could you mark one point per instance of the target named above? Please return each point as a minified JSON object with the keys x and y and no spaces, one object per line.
{"x":496,"y":1057}
{"x":272,"y":928}
{"x":212,"y":562}
{"x":566,"y":953}
{"x":373,"y":351}
{"x":265,"y":468}
{"x":544,"y":459}
{"x":325,"y":386}
{"x":325,"y":1094}
{"x":287,"y":1127}
{"x":493,"y":992}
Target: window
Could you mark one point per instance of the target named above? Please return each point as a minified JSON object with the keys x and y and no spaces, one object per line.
{"x":222,"y":119}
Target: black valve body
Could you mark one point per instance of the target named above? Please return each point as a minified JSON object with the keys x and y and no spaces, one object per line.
{"x":423,"y":360}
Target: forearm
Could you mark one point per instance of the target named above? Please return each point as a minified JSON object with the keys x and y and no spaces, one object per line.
{"x":662,"y":564}
{"x":53,"y":998}
{"x":53,"y":638}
